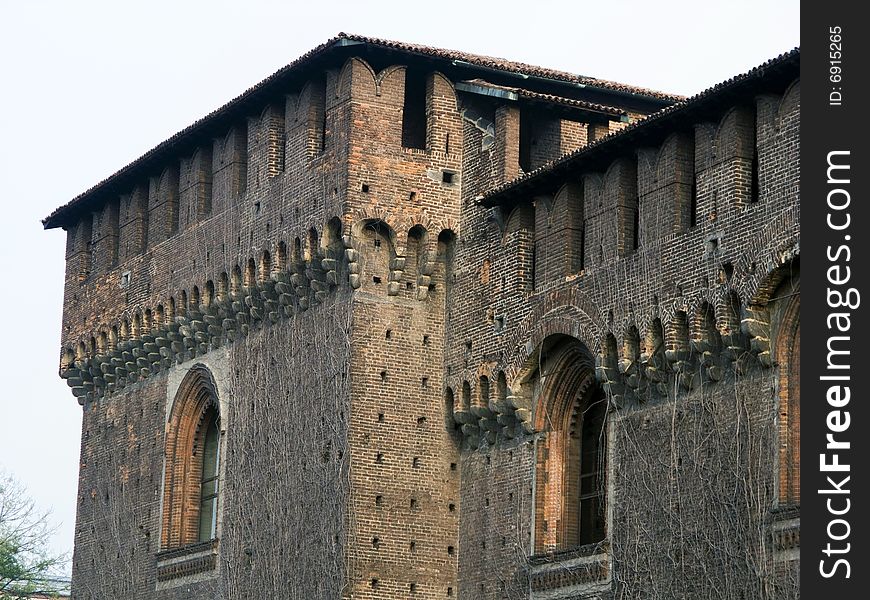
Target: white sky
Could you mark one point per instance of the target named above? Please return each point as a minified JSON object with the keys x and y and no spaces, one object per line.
{"x":88,"y":86}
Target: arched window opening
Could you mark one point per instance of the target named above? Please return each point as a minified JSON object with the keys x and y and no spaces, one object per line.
{"x":265,"y":267}
{"x":588,"y":426}
{"x":223,"y":288}
{"x":69,"y":357}
{"x":466,"y":396}
{"x":236,"y":282}
{"x":296,"y":257}
{"x":311,"y":247}
{"x":785,"y":312}
{"x":571,"y":411}
{"x":191,"y":497}
{"x":209,"y":293}
{"x":280,"y":259}
{"x":250,"y":274}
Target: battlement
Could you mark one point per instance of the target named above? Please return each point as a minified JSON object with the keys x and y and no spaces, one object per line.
{"x":325,"y":159}
{"x":689,"y":223}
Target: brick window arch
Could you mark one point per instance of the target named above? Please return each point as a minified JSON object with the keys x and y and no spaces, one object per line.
{"x":193,"y":456}
{"x":570,"y":472}
{"x":788,"y":358}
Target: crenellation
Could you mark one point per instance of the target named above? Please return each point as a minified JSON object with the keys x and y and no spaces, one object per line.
{"x":230,"y":159}
{"x":195,"y":187}
{"x":133,"y":223}
{"x":163,"y":205}
{"x":104,"y":241}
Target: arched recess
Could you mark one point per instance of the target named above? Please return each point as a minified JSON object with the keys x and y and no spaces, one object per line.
{"x":570,"y":411}
{"x":192,"y":467}
{"x":785,"y":313}
{"x":377,"y":248}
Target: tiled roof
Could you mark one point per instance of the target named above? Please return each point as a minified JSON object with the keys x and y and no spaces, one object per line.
{"x":786,"y":65}
{"x":185,"y":139}
{"x":541,"y":97}
{"x":501,"y":64}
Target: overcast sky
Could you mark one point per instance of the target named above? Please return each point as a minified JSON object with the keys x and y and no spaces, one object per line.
{"x":89,"y":86}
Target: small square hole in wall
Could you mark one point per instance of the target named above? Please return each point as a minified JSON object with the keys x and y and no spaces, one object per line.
{"x":412,"y":546}
{"x":431,"y":287}
{"x":377,"y":242}
{"x":451,"y":507}
{"x":380,"y":417}
{"x":125,"y":279}
{"x":452,"y":466}
{"x":447,"y":177}
{"x":379,"y":457}
{"x":413,"y":503}
{"x":376,"y":543}
{"x":425,"y":340}
{"x":374,"y":583}
{"x":450,"y":591}
{"x":498,"y":323}
{"x":421,"y":421}
{"x":424,"y":382}
{"x":409,"y":285}
{"x":256,"y":207}
{"x":412,"y":196}
{"x":412,"y":587}
{"x":376,"y":280}
{"x":365,"y":188}
{"x":388,"y":334}
{"x":415,"y":462}
{"x":379,"y":500}
{"x":450,"y":550}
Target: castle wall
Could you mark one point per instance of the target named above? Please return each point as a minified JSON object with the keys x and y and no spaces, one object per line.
{"x":520,"y":277}
{"x":377,"y":337}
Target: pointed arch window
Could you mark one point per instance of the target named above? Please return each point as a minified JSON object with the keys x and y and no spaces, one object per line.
{"x":788,"y":357}
{"x":191,"y":493}
{"x":570,"y":475}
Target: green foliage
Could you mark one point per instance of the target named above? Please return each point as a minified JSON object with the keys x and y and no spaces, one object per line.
{"x":27,"y":567}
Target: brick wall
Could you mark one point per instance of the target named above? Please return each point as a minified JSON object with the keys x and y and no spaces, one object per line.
{"x":651,"y":300}
{"x":380,"y":330}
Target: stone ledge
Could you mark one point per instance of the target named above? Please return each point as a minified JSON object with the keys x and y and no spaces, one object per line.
{"x":187,"y":560}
